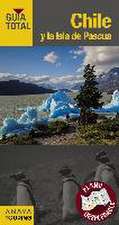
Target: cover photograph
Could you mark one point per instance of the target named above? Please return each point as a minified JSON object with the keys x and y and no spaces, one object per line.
{"x":59,"y":112}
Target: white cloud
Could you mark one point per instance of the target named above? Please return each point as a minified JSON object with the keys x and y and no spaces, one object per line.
{"x":104,"y":57}
{"x":76,"y":52}
{"x":65,"y":81}
{"x":36,"y":79}
{"x":51,"y":57}
{"x":80,"y":69}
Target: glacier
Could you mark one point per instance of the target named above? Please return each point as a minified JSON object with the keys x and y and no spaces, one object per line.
{"x":58,"y":105}
{"x":22,"y":125}
{"x":113,"y":106}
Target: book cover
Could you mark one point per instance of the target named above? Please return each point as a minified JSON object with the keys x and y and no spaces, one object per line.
{"x":59,"y":112}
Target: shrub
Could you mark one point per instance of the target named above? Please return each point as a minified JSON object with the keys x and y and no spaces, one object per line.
{"x":110,"y":125}
{"x":19,"y":140}
{"x":90,"y":117}
{"x":91,"y":134}
{"x":104,"y":132}
{"x":57,"y":127}
{"x":40,"y":130}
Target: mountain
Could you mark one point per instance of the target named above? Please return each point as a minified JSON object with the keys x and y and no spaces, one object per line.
{"x":109,"y":81}
{"x":76,"y":87}
{"x":15,"y":87}
{"x":65,"y":90}
{"x":47,"y":86}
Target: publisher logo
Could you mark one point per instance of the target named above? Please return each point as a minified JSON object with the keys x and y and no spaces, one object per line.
{"x":17,"y":20}
{"x":16,"y":23}
{"x":96,"y":201}
{"x":18,"y":215}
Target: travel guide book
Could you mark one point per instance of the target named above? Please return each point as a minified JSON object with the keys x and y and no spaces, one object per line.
{"x":59,"y":112}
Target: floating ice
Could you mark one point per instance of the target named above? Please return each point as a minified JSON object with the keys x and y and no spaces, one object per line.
{"x":60,"y":104}
{"x":23,"y":125}
{"x":113,"y":106}
{"x":64,"y":111}
{"x":29,"y":116}
{"x":11,"y":127}
{"x":57,"y":106}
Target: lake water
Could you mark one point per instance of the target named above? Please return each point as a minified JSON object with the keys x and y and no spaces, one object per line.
{"x":9,"y":104}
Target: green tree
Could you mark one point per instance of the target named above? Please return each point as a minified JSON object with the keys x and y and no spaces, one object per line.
{"x":89,"y":96}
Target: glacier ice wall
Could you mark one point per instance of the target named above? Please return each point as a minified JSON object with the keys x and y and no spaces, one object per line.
{"x":113,"y":106}
{"x":57,"y":106}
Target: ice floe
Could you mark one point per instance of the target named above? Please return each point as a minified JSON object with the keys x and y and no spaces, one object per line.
{"x":113,"y":106}
{"x":58,"y":105}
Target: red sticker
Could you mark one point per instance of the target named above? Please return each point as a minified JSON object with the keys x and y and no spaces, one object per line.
{"x":96,"y":201}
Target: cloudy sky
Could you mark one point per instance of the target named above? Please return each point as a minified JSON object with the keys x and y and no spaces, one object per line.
{"x":59,"y":66}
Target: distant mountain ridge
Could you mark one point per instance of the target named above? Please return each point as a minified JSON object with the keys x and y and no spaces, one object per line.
{"x":16,"y":87}
{"x":108,"y":82}
{"x":77,"y":87}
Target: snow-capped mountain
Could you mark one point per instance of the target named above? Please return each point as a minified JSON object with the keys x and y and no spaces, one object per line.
{"x":109,"y":81}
